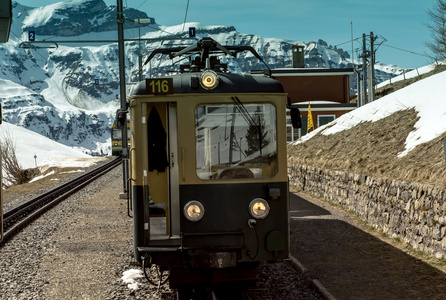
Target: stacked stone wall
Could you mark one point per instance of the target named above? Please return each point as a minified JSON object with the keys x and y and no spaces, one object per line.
{"x":415,"y":213}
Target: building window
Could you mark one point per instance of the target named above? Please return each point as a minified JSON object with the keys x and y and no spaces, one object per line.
{"x":324,"y":119}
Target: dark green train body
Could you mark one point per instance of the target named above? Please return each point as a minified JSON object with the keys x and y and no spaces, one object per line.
{"x":116,"y":139}
{"x":208,"y":170}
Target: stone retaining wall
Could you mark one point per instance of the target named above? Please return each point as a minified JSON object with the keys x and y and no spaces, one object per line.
{"x":415,"y":213}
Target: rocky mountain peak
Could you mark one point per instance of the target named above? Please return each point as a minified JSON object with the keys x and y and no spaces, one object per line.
{"x":75,"y":17}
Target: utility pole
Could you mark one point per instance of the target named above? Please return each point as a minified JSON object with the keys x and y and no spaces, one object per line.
{"x":364,"y":71}
{"x":140,"y":21}
{"x":371,"y":69}
{"x":120,"y":20}
{"x":366,"y":91}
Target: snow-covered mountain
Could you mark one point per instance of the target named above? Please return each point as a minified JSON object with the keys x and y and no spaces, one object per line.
{"x":32,"y":149}
{"x":68,"y":91}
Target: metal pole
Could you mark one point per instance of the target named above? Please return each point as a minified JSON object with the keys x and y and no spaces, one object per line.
{"x":120,"y":20}
{"x":358,"y":87}
{"x":372,"y":68}
{"x":364,"y":70}
{"x":353,"y":53}
{"x":140,"y":54}
{"x":358,"y":102}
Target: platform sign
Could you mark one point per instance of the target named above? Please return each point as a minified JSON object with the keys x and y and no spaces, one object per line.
{"x":192,"y":31}
{"x":31,"y":36}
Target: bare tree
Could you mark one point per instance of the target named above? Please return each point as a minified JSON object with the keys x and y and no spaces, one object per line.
{"x":13,"y":173}
{"x":437,"y":27}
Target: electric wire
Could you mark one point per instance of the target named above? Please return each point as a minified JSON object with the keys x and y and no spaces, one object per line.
{"x":185,"y":16}
{"x":409,"y":51}
{"x":141,"y":4}
{"x":45,"y":58}
{"x":160,"y":273}
{"x":379,"y":45}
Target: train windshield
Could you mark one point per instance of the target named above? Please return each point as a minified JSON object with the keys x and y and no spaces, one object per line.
{"x":117,"y":134}
{"x":236,"y":141}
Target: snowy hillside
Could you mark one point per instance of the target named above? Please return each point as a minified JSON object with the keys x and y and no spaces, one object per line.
{"x":68,"y":92}
{"x":29,"y":144}
{"x":427,"y":97}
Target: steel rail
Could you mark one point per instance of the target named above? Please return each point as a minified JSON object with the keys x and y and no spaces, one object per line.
{"x":226,"y":291}
{"x":49,"y":199}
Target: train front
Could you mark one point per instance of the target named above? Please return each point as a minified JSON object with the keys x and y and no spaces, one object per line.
{"x":209,"y":175}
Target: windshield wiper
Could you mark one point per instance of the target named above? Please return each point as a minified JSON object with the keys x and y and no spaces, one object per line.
{"x":249,"y":120}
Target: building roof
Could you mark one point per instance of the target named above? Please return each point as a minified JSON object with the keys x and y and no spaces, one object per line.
{"x":310,"y":72}
{"x":324,"y":105}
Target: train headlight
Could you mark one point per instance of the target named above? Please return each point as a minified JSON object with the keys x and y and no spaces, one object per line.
{"x":193,"y":211}
{"x":209,"y":80}
{"x":259,"y":208}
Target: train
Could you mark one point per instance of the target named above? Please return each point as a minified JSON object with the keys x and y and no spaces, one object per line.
{"x":116,"y":138}
{"x":208,"y":168}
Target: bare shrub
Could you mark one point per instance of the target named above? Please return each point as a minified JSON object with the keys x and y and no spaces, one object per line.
{"x":13,"y":173}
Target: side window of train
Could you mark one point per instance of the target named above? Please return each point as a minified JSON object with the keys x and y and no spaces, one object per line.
{"x":236,"y":141}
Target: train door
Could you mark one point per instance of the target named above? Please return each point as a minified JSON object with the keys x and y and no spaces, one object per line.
{"x":162,"y":186}
{"x":174,"y":192}
{"x":156,"y":172}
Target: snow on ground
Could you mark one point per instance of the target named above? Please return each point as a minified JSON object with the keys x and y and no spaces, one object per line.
{"x":427,"y":97}
{"x":8,"y":88}
{"x":29,"y":144}
{"x":130,"y":277}
{"x":412,"y":74}
{"x":42,"y":176}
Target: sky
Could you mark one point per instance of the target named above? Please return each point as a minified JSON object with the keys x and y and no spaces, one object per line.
{"x":399,"y":22}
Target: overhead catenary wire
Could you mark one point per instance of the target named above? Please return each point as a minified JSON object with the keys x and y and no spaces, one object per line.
{"x":383,"y":43}
{"x":405,"y":50}
{"x":141,"y":4}
{"x":185,"y":15}
{"x":45,"y":58}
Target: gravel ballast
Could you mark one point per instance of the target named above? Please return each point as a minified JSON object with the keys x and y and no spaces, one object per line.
{"x":81,"y":248}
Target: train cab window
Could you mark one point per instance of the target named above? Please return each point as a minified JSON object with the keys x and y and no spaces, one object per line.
{"x":117,"y":134}
{"x":236,"y":141}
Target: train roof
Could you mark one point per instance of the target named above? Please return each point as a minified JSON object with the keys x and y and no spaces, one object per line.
{"x":228,"y":83}
{"x":205,"y":73}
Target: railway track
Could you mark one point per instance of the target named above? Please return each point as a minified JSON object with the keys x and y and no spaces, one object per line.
{"x":222,"y":292}
{"x":20,"y":216}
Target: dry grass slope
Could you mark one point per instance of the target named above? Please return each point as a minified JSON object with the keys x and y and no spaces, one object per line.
{"x":59,"y":175}
{"x":371,"y":149}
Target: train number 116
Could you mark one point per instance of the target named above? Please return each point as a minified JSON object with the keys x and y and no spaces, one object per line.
{"x":159,"y":86}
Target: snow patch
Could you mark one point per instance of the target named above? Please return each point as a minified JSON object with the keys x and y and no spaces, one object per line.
{"x":130,"y":277}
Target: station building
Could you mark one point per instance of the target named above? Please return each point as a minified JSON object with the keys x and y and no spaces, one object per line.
{"x":327,"y":91}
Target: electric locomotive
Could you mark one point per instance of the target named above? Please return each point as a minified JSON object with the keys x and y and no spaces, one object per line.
{"x":116,"y":138}
{"x":208,"y":168}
